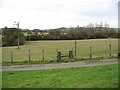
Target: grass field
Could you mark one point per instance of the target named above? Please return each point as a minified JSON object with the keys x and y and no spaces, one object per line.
{"x":100,"y":48}
{"x":105,"y":76}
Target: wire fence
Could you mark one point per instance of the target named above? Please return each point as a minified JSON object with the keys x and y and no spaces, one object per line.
{"x":42,"y":55}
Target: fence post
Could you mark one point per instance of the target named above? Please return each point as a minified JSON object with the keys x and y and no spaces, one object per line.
{"x":29,"y":56}
{"x":58,"y":55}
{"x":43,"y":54}
{"x":110,"y":47}
{"x":90,"y":51}
{"x":75,"y":49}
{"x":70,"y":53}
{"x":11,"y":57}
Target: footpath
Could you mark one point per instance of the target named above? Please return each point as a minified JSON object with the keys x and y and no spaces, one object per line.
{"x":59,"y":65}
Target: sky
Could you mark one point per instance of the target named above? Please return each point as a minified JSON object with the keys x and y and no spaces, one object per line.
{"x":47,"y":14}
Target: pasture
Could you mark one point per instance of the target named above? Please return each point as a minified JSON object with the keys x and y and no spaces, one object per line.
{"x":105,"y":76}
{"x":100,"y":47}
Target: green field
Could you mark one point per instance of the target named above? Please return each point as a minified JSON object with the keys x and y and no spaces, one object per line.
{"x":105,"y":76}
{"x":100,"y":47}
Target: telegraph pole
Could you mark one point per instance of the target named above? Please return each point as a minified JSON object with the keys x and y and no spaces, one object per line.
{"x":18,"y":33}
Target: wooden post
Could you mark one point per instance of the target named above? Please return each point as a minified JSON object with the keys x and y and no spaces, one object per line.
{"x":11,"y":57}
{"x":75,"y":49}
{"x":70,"y":53}
{"x":90,"y":51}
{"x":43,"y":54}
{"x":29,"y":56}
{"x":58,"y":55}
{"x":110,"y":47}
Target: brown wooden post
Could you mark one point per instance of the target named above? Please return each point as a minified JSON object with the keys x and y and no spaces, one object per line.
{"x":58,"y":55}
{"x":110,"y":47}
{"x":29,"y":56}
{"x":43,"y":54}
{"x":11,"y":57}
{"x":70,"y":53}
{"x":90,"y":51}
{"x":75,"y":49}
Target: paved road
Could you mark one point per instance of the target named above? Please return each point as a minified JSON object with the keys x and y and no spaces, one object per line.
{"x":59,"y":65}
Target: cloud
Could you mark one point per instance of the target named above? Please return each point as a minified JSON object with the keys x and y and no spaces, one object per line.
{"x":1,"y":3}
{"x":57,"y":13}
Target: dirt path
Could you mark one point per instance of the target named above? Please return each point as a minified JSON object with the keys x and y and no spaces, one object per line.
{"x":59,"y":65}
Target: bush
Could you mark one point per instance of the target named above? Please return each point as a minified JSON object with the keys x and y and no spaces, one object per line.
{"x":10,"y":37}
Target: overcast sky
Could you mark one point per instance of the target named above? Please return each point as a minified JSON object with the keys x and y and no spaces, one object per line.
{"x":45,"y":14}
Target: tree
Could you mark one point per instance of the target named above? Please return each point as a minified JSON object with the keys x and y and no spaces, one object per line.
{"x":54,"y":34}
{"x":10,"y":37}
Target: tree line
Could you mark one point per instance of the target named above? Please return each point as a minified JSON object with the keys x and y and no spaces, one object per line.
{"x":75,"y":33}
{"x":91,"y":31}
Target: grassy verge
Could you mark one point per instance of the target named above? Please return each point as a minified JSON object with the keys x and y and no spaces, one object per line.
{"x":26,"y":62}
{"x":105,"y":76}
